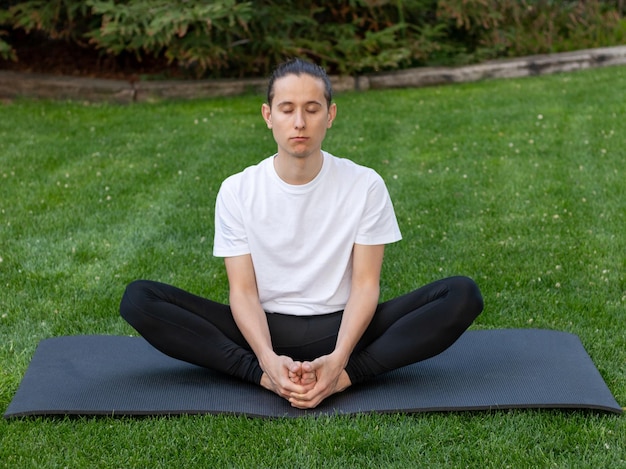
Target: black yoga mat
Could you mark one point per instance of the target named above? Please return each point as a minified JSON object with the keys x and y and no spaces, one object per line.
{"x":483,"y":370}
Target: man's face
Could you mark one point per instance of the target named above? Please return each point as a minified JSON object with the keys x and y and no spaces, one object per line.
{"x":299,"y":115}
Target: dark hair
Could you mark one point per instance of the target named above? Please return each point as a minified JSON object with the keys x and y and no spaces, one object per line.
{"x":298,"y":67}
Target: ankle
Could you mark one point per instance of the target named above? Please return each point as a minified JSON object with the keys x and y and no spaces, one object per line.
{"x":343,"y":382}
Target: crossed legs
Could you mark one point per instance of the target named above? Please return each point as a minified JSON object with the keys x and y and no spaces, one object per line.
{"x":404,"y":330}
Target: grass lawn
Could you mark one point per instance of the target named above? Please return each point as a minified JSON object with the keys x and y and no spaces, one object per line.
{"x":517,"y":183}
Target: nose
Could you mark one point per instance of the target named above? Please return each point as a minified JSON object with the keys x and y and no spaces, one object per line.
{"x":299,"y":120}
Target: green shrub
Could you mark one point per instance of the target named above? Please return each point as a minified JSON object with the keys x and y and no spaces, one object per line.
{"x":191,"y":33}
{"x":525,"y":27}
{"x":246,"y":38}
{"x":345,"y":36}
{"x":6,"y":51}
{"x":59,"y":19}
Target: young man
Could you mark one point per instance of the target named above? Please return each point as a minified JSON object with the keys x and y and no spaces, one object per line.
{"x":302,"y":235}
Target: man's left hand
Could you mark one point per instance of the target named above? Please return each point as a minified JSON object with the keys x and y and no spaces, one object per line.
{"x":330,"y":376}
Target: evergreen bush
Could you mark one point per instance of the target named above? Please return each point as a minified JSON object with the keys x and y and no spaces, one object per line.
{"x":234,"y":38}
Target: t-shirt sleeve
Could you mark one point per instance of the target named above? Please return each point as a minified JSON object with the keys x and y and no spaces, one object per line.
{"x":378,"y":223}
{"x":230,"y":234}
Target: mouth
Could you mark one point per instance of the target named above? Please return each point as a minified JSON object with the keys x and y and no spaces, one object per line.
{"x":299,"y":139}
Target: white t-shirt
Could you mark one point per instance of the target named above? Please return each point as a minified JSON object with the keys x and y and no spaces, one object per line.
{"x":300,"y":237}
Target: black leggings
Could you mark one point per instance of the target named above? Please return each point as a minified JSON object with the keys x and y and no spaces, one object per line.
{"x":404,"y":330}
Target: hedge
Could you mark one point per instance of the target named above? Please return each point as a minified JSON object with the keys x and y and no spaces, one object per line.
{"x":232,"y":38}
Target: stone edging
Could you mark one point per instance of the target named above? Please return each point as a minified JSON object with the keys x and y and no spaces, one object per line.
{"x":14,"y":84}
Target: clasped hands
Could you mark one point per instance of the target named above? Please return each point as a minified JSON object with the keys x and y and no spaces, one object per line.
{"x":305,"y":384}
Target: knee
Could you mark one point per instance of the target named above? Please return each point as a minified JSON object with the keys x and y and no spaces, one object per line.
{"x":470,"y":295}
{"x":134,"y":298}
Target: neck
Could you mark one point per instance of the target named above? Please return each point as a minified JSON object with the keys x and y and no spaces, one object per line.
{"x":298,"y":171}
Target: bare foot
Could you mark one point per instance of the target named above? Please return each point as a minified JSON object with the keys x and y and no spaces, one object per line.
{"x":266,"y":382}
{"x":343,"y":382}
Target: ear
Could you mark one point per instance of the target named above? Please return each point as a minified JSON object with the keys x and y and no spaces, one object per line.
{"x":267,"y":115}
{"x":332,"y":113}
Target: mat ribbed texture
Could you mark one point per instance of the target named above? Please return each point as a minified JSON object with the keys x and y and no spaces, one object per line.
{"x":483,"y":370}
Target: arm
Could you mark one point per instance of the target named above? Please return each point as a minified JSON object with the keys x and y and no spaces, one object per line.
{"x":361,"y":306}
{"x":250,"y":318}
{"x":364,"y":295}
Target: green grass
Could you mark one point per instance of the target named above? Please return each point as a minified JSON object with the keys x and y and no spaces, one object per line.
{"x":518,"y":183}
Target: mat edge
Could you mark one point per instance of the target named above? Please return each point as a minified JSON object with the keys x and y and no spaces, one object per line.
{"x":313,"y":413}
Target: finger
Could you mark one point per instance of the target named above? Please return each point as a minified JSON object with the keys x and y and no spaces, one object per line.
{"x":308,"y":367}
{"x":295,"y":368}
{"x":306,"y":396}
{"x":289,"y":389}
{"x":308,"y":375}
{"x":308,"y":379}
{"x":304,"y":404}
